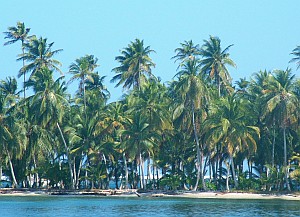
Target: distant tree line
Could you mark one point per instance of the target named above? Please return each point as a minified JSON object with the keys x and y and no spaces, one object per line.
{"x":197,"y":131}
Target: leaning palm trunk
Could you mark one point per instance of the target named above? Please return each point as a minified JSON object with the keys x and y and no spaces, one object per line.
{"x":285,"y":160}
{"x":68,"y":156}
{"x":12,"y":170}
{"x":199,"y":155}
{"x":78,"y":172}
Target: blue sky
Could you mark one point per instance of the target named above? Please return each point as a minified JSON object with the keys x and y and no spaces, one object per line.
{"x":263,"y":32}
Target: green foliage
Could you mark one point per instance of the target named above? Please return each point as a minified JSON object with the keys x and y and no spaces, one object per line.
{"x":197,"y":119}
{"x":170,"y":182}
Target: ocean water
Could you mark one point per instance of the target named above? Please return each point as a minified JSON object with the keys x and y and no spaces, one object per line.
{"x":65,"y":206}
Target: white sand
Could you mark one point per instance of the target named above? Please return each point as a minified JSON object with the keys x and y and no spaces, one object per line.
{"x":187,"y":194}
{"x":222,"y":195}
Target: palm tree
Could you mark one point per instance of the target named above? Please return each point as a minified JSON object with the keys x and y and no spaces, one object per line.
{"x":188,"y":50}
{"x":214,"y":62}
{"x":83,"y":69}
{"x":258,"y":88}
{"x":152,"y":102}
{"x":15,"y":34}
{"x":138,"y":139}
{"x":48,"y":104}
{"x":113,"y":121}
{"x":39,"y":54}
{"x":135,"y":65}
{"x":12,"y":133}
{"x":97,"y":94}
{"x":282,"y":101}
{"x":227,"y":123}
{"x":191,"y":90}
{"x":296,"y":53}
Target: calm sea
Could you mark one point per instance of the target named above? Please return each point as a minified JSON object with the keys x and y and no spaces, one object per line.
{"x":64,"y":206}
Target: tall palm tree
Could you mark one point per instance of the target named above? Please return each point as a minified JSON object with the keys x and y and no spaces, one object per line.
{"x":138,"y":140}
{"x":113,"y":121}
{"x":215,"y":61}
{"x":83,"y":69}
{"x":15,"y":34}
{"x":96,"y":85}
{"x":282,"y":101}
{"x":152,"y":102}
{"x":135,"y":65}
{"x":191,"y":90}
{"x":12,"y":133}
{"x":296,"y":53}
{"x":258,"y":88}
{"x":48,"y":104}
{"x":188,"y":50}
{"x":39,"y":54}
{"x":227,"y":123}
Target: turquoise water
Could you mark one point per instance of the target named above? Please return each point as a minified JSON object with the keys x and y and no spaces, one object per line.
{"x":65,"y":206}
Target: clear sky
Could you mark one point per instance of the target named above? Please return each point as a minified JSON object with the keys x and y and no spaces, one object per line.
{"x":264,"y":32}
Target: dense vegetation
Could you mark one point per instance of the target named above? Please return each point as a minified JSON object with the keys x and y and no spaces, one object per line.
{"x":196,"y":132}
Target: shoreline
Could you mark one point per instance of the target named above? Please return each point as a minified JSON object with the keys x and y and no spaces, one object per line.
{"x":153,"y":194}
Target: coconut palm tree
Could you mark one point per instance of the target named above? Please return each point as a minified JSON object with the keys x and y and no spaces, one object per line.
{"x":296,"y":53}
{"x":83,"y":69}
{"x":12,"y":133}
{"x":39,"y":54}
{"x":282,"y":101}
{"x":214,"y":62}
{"x":152,"y":102}
{"x":47,"y":106}
{"x":191,"y":91}
{"x":135,"y":65}
{"x":227,"y":123}
{"x":188,"y":50}
{"x":259,"y":86}
{"x":96,"y":83}
{"x":15,"y":34}
{"x":138,"y":139}
{"x":113,"y":121}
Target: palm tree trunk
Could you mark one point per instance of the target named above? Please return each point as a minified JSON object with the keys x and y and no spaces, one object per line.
{"x":148,"y":168}
{"x":142,"y":171}
{"x":36,"y":175}
{"x":126,"y":170}
{"x":273,"y":146}
{"x":233,"y":172}
{"x":68,"y":156}
{"x":78,"y":172}
{"x":153,"y":174}
{"x":249,"y":168}
{"x":12,"y":170}
{"x":218,"y":83}
{"x":107,"y":173}
{"x":24,"y":76}
{"x":227,"y":176}
{"x":199,"y":160}
{"x":1,"y":168}
{"x":84,"y":98}
{"x":285,"y":160}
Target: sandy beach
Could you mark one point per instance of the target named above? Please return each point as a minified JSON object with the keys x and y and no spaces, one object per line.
{"x":244,"y":196}
{"x":134,"y":193}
